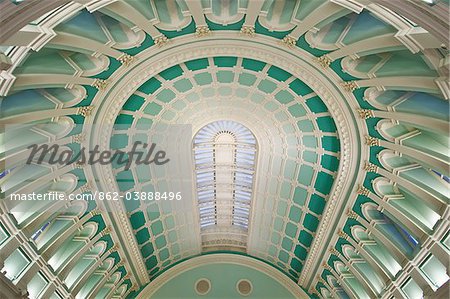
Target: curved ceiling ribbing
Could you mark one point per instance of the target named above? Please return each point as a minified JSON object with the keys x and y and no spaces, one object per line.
{"x":397,"y":210}
{"x":304,"y":153}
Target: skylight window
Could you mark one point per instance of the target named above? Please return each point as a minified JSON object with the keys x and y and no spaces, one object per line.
{"x":224,"y":154}
{"x":39,"y":231}
{"x":444,"y":177}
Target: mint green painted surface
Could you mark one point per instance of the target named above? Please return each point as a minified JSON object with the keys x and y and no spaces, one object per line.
{"x":46,"y":61}
{"x":366,"y":26}
{"x":307,"y":7}
{"x":84,"y":24}
{"x":288,"y":103}
{"x":223,"y":278}
{"x":143,"y":7}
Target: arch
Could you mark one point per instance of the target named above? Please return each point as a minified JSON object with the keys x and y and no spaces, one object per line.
{"x":344,"y":32}
{"x":119,"y":292}
{"x":122,"y":34}
{"x":406,"y":203}
{"x":221,"y":258}
{"x":350,"y":280}
{"x":61,"y":224}
{"x":29,"y":213}
{"x":416,"y":173}
{"x":372,"y":277}
{"x":389,"y":64}
{"x":95,"y":278}
{"x":19,"y":137}
{"x":392,"y":229}
{"x":421,"y":139}
{"x":26,"y":101}
{"x":376,"y":250}
{"x":332,"y":281}
{"x":408,"y":102}
{"x":85,"y":263}
{"x":170,"y":15}
{"x":62,"y":60}
{"x":325,"y":293}
{"x":224,"y":12}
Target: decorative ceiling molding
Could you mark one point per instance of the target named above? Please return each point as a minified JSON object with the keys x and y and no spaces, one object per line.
{"x":262,"y":48}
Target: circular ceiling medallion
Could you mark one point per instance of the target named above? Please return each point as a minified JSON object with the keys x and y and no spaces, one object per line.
{"x":202,"y":286}
{"x":244,"y":287}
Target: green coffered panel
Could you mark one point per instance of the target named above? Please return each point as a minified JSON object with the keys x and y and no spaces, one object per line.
{"x":305,"y":182}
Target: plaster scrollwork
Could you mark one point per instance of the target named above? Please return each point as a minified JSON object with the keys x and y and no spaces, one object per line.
{"x":370,"y":167}
{"x":342,"y":234}
{"x":324,"y":61}
{"x":79,"y":138}
{"x":350,"y":86}
{"x":372,"y":141}
{"x":85,"y":188}
{"x":161,"y":40}
{"x":289,"y":41}
{"x":126,"y":59}
{"x":79,"y":165}
{"x":85,"y":111}
{"x":363,"y":191}
{"x":248,"y":30}
{"x":352,"y":214}
{"x":365,"y":113}
{"x":100,"y":84}
{"x":202,"y":31}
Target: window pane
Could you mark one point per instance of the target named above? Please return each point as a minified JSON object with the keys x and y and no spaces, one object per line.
{"x":412,"y":290}
{"x":15,"y":264}
{"x":435,"y":271}
{"x":224,"y":153}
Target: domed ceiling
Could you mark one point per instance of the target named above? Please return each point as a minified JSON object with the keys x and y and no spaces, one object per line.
{"x":338,"y":111}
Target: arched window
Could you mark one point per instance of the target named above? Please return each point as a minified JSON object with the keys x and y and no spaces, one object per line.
{"x":225,"y":154}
